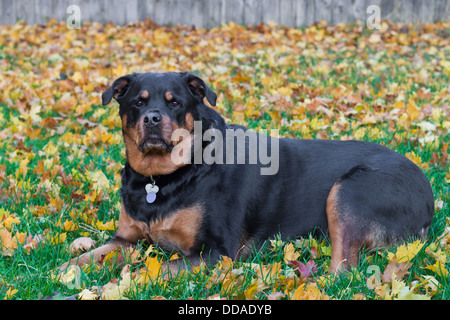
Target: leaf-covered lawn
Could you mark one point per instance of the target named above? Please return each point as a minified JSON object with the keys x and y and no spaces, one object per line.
{"x":61,"y":151}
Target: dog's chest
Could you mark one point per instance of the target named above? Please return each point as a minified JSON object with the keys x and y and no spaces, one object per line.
{"x":176,"y":231}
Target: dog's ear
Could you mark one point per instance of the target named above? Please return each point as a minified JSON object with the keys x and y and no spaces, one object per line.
{"x":199,"y":88}
{"x":117,"y":89}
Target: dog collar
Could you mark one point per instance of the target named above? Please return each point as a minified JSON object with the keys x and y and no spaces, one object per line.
{"x":151,"y":189}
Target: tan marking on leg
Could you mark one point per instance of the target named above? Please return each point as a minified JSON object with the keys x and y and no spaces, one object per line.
{"x":179,"y":230}
{"x":130,"y":229}
{"x":335,"y":230}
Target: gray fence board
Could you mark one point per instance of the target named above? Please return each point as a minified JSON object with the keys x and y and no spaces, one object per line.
{"x":209,"y":13}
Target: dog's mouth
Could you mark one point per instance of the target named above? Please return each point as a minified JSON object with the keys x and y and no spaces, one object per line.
{"x":154,"y":143}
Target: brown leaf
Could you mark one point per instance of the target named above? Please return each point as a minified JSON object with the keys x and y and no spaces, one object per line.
{"x":399,"y":269}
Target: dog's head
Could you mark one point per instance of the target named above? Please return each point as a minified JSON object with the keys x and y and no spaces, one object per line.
{"x":152,"y":107}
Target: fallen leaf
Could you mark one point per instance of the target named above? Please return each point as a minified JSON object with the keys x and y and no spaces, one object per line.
{"x":100,"y":182}
{"x":406,"y":252}
{"x":71,"y":277}
{"x":395,"y":268}
{"x":308,"y":291}
{"x":431,"y":285}
{"x":276,"y":295}
{"x":87,"y":294}
{"x":306,"y":270}
{"x":406,"y":293}
{"x":10,"y":293}
{"x":289,"y":253}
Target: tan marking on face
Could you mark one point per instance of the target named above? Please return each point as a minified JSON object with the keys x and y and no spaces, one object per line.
{"x":168,"y":95}
{"x":144,"y":94}
{"x":134,"y":133}
{"x":189,"y":122}
{"x":156,"y":161}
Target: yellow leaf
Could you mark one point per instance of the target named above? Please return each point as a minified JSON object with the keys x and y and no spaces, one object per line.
{"x":309,"y":291}
{"x":111,"y":291}
{"x":77,"y":77}
{"x":369,"y":119}
{"x":10,"y":220}
{"x":23,"y":169}
{"x":266,"y":81}
{"x":397,"y":285}
{"x":110,"y":225}
{"x":406,"y":293}
{"x":9,"y":243}
{"x":268,"y":273}
{"x":438,"y":268}
{"x":446,"y":66}
{"x":59,"y":238}
{"x":71,"y":277}
{"x":289,"y":253}
{"x":285,"y":91}
{"x":100,"y":181}
{"x":375,"y":38}
{"x":114,"y":290}
{"x":10,"y":293}
{"x":326,"y":250}
{"x":111,"y":257}
{"x":87,"y":294}
{"x":436,"y":253}
{"x":50,"y":149}
{"x":153,"y":268}
{"x":417,"y":160}
{"x":225,"y":263}
{"x":406,"y":252}
{"x":3,"y":213}
{"x":174,"y":257}
{"x":69,"y":226}
{"x":19,"y":238}
{"x":6,"y":242}
{"x":251,"y":291}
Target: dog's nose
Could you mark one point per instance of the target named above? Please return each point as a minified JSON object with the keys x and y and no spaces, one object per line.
{"x":152,"y":119}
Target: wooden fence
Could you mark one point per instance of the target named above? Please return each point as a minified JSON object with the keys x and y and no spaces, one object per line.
{"x":209,"y":13}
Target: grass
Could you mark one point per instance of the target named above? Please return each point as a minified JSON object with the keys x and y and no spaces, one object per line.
{"x":52,"y":152}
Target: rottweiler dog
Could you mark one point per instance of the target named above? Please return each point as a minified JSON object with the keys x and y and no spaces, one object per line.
{"x":205,"y":205}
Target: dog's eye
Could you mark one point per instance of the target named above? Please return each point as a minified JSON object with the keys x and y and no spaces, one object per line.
{"x":174,"y":104}
{"x":139,"y":103}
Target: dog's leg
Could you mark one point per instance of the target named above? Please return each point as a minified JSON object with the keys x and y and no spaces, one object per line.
{"x":349,"y":233}
{"x":373,"y":208}
{"x":127,"y":234}
{"x":340,"y":253}
{"x":96,"y":254}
